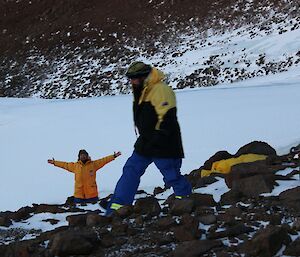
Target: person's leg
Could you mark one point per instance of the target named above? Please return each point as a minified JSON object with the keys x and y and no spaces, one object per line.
{"x":128,"y":184}
{"x":170,"y":169}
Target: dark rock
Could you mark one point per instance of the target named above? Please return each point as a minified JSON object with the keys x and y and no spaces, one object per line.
{"x":267,"y":242}
{"x":245,"y":170}
{"x":158,"y":190}
{"x":231,"y":231}
{"x":256,"y":147}
{"x":202,"y":200}
{"x":70,"y":201}
{"x":148,"y":205}
{"x":296,"y":224}
{"x":208,"y":219}
{"x":293,"y":249}
{"x":195,"y":248}
{"x":231,"y":197}
{"x":93,"y":219}
{"x":291,"y":198}
{"x":51,"y":221}
{"x":41,"y":208}
{"x":254,"y":186}
{"x":5,"y":221}
{"x":197,"y":181}
{"x":22,"y":214}
{"x":166,"y":223}
{"x":73,"y":242}
{"x":188,"y":229}
{"x":218,"y":156}
{"x":107,"y":240}
{"x":125,"y":211}
{"x":182,"y":206}
{"x":119,"y":228}
{"x":77,"y":220}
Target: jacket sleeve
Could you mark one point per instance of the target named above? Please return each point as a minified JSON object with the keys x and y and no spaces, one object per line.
{"x":101,"y":162}
{"x":164,"y":102}
{"x":69,"y":166}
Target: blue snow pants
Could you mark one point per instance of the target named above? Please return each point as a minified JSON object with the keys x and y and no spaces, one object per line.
{"x":135,"y":167}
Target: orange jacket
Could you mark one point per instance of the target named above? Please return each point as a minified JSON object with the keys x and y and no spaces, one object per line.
{"x":85,"y":175}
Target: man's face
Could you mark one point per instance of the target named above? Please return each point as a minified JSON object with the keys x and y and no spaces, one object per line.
{"x":137,"y":82}
{"x":83,"y":157}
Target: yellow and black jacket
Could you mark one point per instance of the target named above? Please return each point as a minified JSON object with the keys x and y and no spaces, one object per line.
{"x":155,"y":117}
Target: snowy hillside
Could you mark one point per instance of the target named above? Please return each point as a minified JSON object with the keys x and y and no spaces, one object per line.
{"x":212,"y":119}
{"x":197,"y":44}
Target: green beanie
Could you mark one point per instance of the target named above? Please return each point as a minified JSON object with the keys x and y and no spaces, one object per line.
{"x":138,"y":69}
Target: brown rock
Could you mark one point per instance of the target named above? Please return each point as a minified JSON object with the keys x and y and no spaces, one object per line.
{"x":293,"y":249}
{"x":208,"y":219}
{"x":195,"y":248}
{"x":158,"y":190}
{"x":202,"y":200}
{"x":125,"y":211}
{"x":254,"y":186}
{"x":5,"y":221}
{"x":291,"y":198}
{"x":188,"y":229}
{"x":231,"y":231}
{"x":182,"y":206}
{"x":73,"y":242}
{"x":148,"y":205}
{"x":22,"y":214}
{"x":40,"y":208}
{"x":245,"y":170}
{"x":256,"y":147}
{"x":94,"y":219}
{"x":77,"y":220}
{"x":166,"y":223}
{"x":268,"y":242}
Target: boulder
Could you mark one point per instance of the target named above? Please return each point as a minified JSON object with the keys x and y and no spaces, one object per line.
{"x":196,"y":248}
{"x":5,"y":221}
{"x":293,"y":249}
{"x":245,"y":170}
{"x":94,"y":219}
{"x":231,"y":231}
{"x":77,"y":220}
{"x":73,"y":242}
{"x":267,"y":242}
{"x":256,"y":147}
{"x":166,"y":223}
{"x":188,"y":229}
{"x":202,"y":200}
{"x":254,"y":186}
{"x":147,"y":205}
{"x":182,"y":206}
{"x":208,"y":219}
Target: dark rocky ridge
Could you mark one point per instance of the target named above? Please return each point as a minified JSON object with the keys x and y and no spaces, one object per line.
{"x":70,"y":49}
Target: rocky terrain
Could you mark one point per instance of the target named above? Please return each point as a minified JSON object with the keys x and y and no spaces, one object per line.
{"x":76,"y":48}
{"x":255,"y":214}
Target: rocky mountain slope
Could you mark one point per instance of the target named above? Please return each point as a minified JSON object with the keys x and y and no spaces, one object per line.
{"x":70,"y":49}
{"x":252,"y":211}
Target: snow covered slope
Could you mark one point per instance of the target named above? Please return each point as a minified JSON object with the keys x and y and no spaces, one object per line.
{"x":212,"y":119}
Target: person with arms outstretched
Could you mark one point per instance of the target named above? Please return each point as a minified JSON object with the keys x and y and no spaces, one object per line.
{"x":85,"y":174}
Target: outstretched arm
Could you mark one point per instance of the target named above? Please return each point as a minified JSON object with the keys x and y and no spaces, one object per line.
{"x":101,"y":162}
{"x":69,"y":166}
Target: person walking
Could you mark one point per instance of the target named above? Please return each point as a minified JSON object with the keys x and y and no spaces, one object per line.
{"x":85,"y":174}
{"x":159,"y":140}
